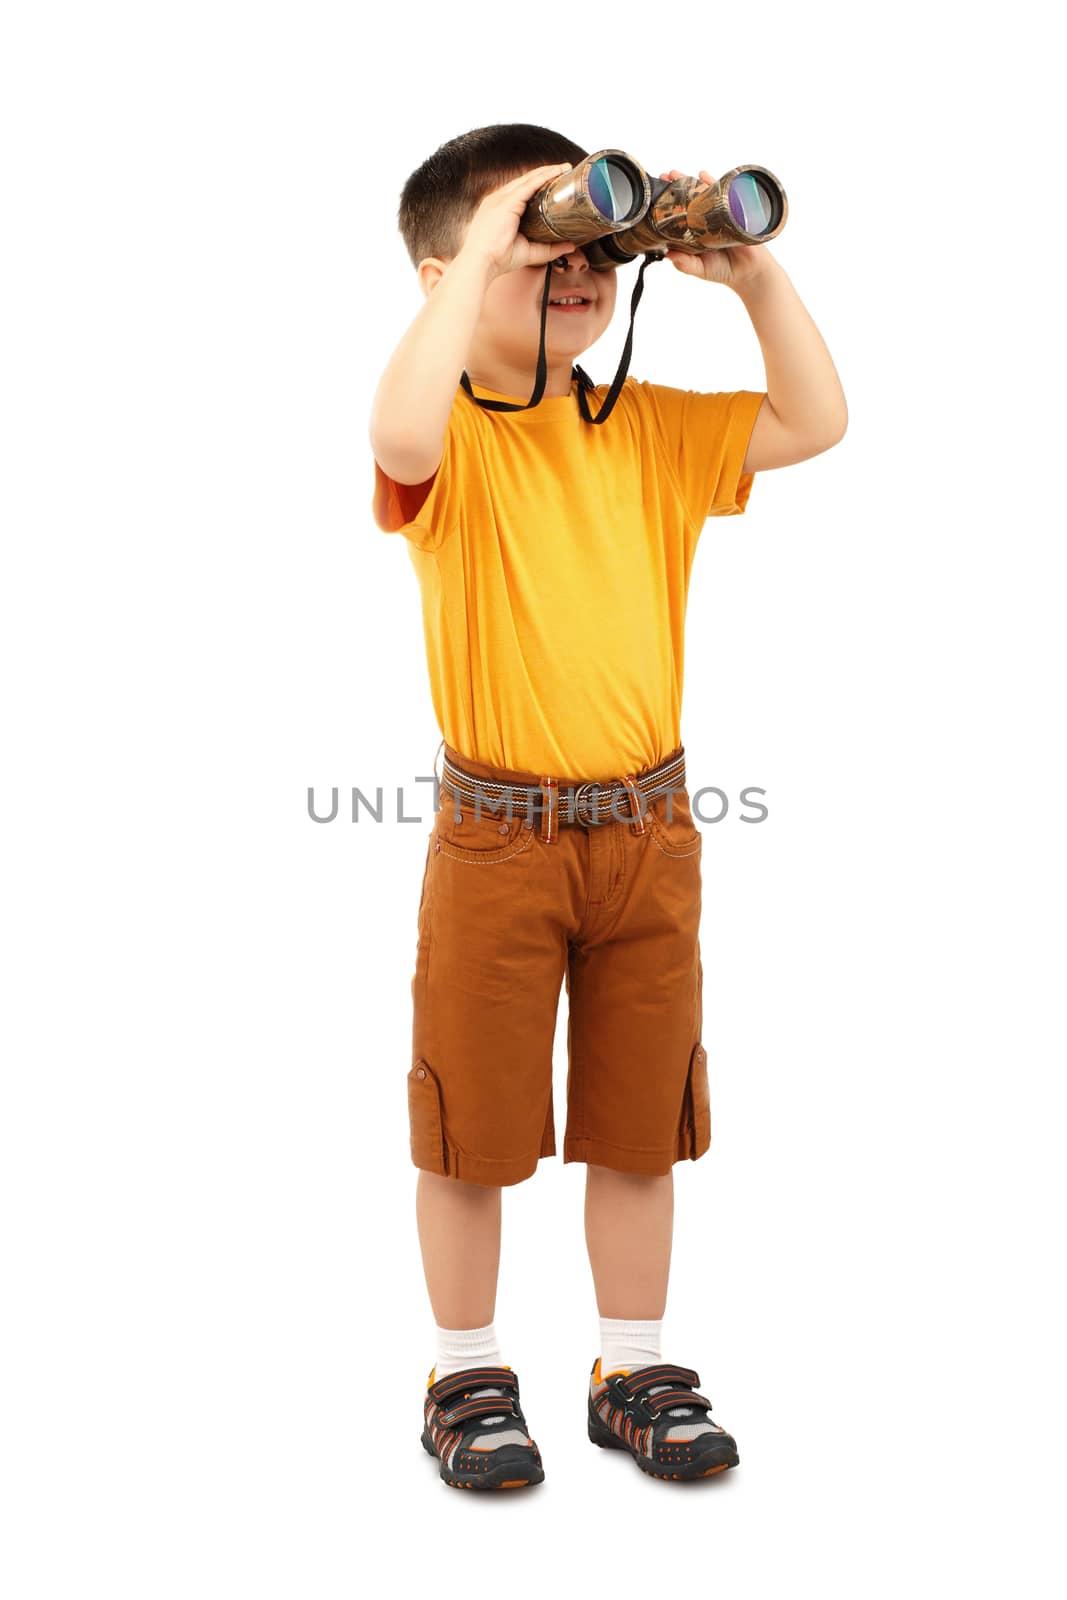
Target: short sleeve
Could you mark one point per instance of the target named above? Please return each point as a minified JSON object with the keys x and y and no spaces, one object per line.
{"x":706,"y":436}
{"x":425,"y":513}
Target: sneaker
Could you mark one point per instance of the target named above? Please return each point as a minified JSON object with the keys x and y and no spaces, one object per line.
{"x":656,"y":1414}
{"x":473,"y":1425}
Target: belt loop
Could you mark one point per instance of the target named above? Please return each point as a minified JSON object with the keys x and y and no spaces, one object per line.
{"x":637,"y":823}
{"x":549,"y":803}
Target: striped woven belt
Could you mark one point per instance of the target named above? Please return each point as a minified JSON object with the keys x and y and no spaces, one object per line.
{"x":587,"y":804}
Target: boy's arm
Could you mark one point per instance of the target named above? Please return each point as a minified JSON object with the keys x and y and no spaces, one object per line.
{"x":413,"y":402}
{"x":805,"y":411}
{"x":416,"y":392}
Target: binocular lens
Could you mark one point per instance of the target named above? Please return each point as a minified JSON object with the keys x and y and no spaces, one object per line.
{"x":751,"y":203}
{"x":611,"y":190}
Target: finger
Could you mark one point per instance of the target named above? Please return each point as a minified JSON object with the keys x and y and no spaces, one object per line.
{"x":538,"y":174}
{"x":552,"y":252}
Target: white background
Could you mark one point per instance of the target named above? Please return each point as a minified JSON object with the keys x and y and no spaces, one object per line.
{"x":216,"y":1334}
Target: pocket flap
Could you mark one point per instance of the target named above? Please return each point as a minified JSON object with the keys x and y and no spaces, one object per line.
{"x":428,"y":1148}
{"x":696,"y":1134}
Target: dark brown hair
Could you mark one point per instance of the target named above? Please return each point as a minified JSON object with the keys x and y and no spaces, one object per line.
{"x":442,"y":195}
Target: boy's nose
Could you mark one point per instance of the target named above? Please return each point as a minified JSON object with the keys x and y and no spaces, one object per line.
{"x":577,"y":254}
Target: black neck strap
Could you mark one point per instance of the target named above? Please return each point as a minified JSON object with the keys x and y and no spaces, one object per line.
{"x":585,"y":383}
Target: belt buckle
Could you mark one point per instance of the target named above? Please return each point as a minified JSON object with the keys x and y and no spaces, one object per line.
{"x":579,"y":797}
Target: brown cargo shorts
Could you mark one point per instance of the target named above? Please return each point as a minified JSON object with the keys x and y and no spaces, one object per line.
{"x":506,"y":916}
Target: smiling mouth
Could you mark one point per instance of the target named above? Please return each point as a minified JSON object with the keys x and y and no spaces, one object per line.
{"x":572,"y":305}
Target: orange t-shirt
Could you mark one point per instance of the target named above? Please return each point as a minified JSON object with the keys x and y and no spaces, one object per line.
{"x":553,"y":559}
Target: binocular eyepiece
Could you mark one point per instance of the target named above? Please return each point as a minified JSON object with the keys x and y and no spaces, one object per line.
{"x":611,"y":207}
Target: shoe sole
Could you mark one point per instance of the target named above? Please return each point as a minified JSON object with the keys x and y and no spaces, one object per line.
{"x":502,"y":1477}
{"x":705,"y":1466}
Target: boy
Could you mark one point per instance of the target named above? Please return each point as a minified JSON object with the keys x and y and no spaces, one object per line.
{"x":553,"y":558}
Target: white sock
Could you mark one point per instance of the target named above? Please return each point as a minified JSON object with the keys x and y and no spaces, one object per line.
{"x":625,"y":1343}
{"x":466,"y":1347}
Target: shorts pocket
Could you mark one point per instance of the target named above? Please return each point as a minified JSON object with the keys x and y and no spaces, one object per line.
{"x":428,"y":1148}
{"x":695,"y":1134}
{"x":678,"y":835}
{"x":483,"y":840}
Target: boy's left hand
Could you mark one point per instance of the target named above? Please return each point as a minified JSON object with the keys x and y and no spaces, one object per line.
{"x":735,"y":265}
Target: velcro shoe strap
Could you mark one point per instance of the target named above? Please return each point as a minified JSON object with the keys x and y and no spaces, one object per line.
{"x":473,"y":1378}
{"x":482,"y":1405}
{"x":648,"y":1377}
{"x":657,"y":1403}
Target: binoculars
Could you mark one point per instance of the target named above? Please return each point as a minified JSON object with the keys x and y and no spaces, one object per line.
{"x":611,"y":207}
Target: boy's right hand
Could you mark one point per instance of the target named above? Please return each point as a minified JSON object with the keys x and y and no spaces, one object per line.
{"x":493,"y":233}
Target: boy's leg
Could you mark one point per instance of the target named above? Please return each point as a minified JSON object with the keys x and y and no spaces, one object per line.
{"x":490,"y":962}
{"x":459,"y":1235}
{"x":638,"y":1402}
{"x":473,"y":1422}
{"x":629,"y":1220}
{"x":637,"y":1102}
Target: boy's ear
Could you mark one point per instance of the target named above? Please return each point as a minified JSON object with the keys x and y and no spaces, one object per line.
{"x":430,"y":271}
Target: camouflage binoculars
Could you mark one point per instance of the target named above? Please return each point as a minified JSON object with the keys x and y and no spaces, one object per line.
{"x":609,"y":205}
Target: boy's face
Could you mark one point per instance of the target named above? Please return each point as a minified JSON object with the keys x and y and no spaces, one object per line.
{"x":510,"y":323}
{"x":506,"y":335}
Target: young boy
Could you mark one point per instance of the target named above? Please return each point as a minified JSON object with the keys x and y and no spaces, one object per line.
{"x":553,"y":557}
